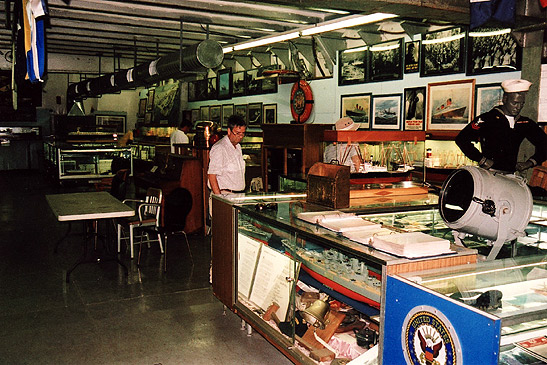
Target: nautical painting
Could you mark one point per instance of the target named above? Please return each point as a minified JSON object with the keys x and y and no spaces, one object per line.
{"x":357,"y":107}
{"x":450,"y":104}
{"x":386,"y":112}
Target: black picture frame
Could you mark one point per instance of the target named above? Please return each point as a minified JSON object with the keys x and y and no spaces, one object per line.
{"x":414,"y":109}
{"x":212,"y":88}
{"x":268,"y":85}
{"x":254,"y":114}
{"x":269,"y":112}
{"x":352,"y":66}
{"x":192,"y":90}
{"x":386,"y":60}
{"x":201,"y":89}
{"x":215,"y":114}
{"x":224,"y":84}
{"x":227,"y":112}
{"x":238,"y":83}
{"x":204,"y":112}
{"x":241,"y":110}
{"x":492,"y":50}
{"x":443,"y":52}
{"x":412,"y":57}
{"x":252,"y":85}
{"x":150,"y":99}
{"x":142,"y":108}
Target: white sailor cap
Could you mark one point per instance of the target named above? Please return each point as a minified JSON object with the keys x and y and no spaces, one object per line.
{"x":515,"y":86}
{"x":346,"y":124}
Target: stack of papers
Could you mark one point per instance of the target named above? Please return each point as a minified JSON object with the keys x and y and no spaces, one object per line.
{"x":366,"y":236}
{"x":411,"y":244}
{"x":349,"y":224}
{"x":318,"y":217}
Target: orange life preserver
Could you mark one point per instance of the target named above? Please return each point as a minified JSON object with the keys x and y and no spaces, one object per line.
{"x":301,"y":101}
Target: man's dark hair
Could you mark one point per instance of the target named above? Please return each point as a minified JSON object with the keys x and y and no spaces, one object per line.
{"x":236,"y":120}
{"x":185,"y":123}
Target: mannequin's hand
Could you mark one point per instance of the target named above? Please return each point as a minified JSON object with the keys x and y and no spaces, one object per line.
{"x":521,"y":166}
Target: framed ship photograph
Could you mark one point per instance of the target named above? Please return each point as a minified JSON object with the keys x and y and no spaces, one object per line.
{"x":238,"y":83}
{"x":487,"y":97}
{"x":352,"y":66}
{"x":492,"y":50}
{"x":204,"y":113}
{"x":450,"y":104}
{"x":412,"y":57}
{"x":224,"y":84}
{"x":357,"y":107}
{"x":254,"y":114}
{"x":386,"y":112}
{"x":252,"y":84}
{"x":414,"y":107}
{"x":270,"y":113}
{"x":386,"y":60}
{"x":443,"y":52}
{"x":227,"y":112}
{"x":211,"y":88}
{"x":214,"y":114}
{"x":241,"y":110}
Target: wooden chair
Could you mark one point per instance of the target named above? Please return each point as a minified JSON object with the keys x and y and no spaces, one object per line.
{"x":148,"y":214}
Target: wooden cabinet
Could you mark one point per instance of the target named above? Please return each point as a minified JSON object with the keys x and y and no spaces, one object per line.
{"x":290,"y":149}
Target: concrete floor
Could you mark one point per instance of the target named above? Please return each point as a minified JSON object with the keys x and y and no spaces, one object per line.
{"x":101,"y":316}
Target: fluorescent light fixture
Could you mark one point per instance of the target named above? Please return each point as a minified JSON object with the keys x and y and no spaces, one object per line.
{"x":333,"y":11}
{"x":384,"y":48}
{"x":346,"y":22}
{"x":267,"y":40}
{"x":445,"y":39}
{"x":358,"y":49}
{"x":491,"y":33}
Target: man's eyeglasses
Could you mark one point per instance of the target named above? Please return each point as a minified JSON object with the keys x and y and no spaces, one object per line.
{"x":239,"y":134}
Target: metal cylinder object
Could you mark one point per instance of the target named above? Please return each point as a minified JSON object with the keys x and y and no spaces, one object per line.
{"x":198,"y":57}
{"x":474,"y":200}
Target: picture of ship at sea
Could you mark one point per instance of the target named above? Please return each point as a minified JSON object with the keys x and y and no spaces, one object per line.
{"x":387,"y":112}
{"x":450,"y":104}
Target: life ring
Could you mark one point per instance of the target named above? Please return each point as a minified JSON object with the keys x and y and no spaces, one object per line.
{"x":301,"y":101}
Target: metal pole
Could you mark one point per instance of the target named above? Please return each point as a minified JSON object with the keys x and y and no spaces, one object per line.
{"x":180,"y":45}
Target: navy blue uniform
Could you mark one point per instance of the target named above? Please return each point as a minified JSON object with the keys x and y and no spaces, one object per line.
{"x":499,"y":142}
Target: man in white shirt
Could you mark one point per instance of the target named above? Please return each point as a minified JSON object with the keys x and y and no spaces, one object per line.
{"x":226,"y":171}
{"x":179,"y":135}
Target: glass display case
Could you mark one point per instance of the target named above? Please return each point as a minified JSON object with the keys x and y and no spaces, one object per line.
{"x":387,"y":156}
{"x":86,"y":163}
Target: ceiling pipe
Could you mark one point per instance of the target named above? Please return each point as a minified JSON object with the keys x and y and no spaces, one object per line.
{"x":196,"y":58}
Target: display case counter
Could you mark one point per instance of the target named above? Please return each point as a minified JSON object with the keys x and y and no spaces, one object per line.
{"x":85,"y":163}
{"x":262,"y":246}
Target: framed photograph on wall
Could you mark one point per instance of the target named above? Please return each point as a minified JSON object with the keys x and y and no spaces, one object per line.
{"x":352,"y":66}
{"x":269,"y":85}
{"x":443,"y":52}
{"x":148,"y":118}
{"x":214,"y":114}
{"x":252,"y":84}
{"x":386,"y":60}
{"x":194,"y":116}
{"x":142,"y":108}
{"x":227,"y":112}
{"x":487,"y":97}
{"x":212,"y":88}
{"x":270,"y":113}
{"x":386,"y":112}
{"x":238,"y":83}
{"x":192,"y":91}
{"x":412,"y":57}
{"x":241,"y":110}
{"x":224,"y":83}
{"x":150,"y":100}
{"x":254,"y":114}
{"x":204,"y":113}
{"x":450,"y":104}
{"x":492,"y":50}
{"x":414,"y":115}
{"x":357,"y":107}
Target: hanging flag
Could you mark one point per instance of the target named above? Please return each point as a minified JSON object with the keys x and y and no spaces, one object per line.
{"x":543,"y":3}
{"x":34,"y":13}
{"x":482,"y":11}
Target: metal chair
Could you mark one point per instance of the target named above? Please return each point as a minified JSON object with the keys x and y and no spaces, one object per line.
{"x":177,"y":206}
{"x":148,"y":215}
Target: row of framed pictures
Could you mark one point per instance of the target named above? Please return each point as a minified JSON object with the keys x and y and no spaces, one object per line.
{"x":441,"y":106}
{"x":254,"y":114}
{"x":442,"y":52}
{"x":228,"y":84}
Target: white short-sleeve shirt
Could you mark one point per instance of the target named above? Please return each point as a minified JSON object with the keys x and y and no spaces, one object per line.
{"x":337,"y":152}
{"x":178,"y":136}
{"x":226,"y":162}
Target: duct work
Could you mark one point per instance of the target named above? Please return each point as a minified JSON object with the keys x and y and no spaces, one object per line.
{"x":199,"y":57}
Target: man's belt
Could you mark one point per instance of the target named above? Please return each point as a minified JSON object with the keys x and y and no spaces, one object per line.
{"x":233,"y":191}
